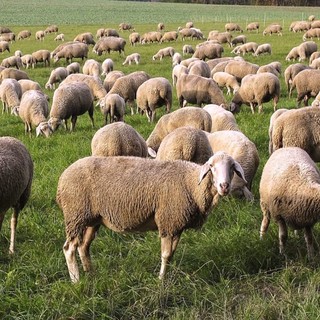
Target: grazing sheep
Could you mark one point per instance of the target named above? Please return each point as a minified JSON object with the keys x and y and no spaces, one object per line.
{"x":150,"y":37}
{"x":42,"y":56}
{"x":100,"y":33}
{"x":160,"y":26}
{"x":113,"y":105}
{"x":209,"y":51}
{"x":273,"y":28}
{"x":300,"y":26}
{"x":107,"y":66}
{"x":111,"y":78}
{"x":169,"y":36}
{"x":177,"y":71}
{"x":92,"y":67}
{"x":108,"y":44}
{"x":312,"y":33}
{"x":263,"y":49}
{"x":176,"y":59}
{"x":240,"y":69}
{"x":40,"y":35}
{"x":221,"y":118}
{"x":59,"y":37}
{"x":86,"y":37}
{"x":239,"y":39}
{"x":16,"y":179}
{"x":10,"y":94}
{"x":51,"y":29}
{"x":33,"y":111}
{"x":12,"y":62}
{"x":289,"y":189}
{"x":314,"y":55}
{"x":9,"y":37}
{"x":165,"y":52}
{"x":71,"y":51}
{"x":187,"y":49}
{"x":57,"y":75}
{"x":272,"y":67}
{"x":28,"y":61}
{"x":244,"y":151}
{"x":4,"y":46}
{"x":200,"y":68}
{"x":70,"y":100}
{"x":152,"y":94}
{"x":27,"y":84}
{"x":125,"y":26}
{"x":73,"y":67}
{"x":193,"y":189}
{"x":188,"y":116}
{"x":134,"y":57}
{"x":253,"y":26}
{"x":298,"y":128}
{"x":61,"y":46}
{"x":118,"y":139}
{"x":221,"y":37}
{"x":232,"y":27}
{"x":24,"y":34}
{"x":224,"y":79}
{"x":127,"y":86}
{"x":302,"y":51}
{"x":111,"y":33}
{"x":247,"y":48}
{"x":4,"y":30}
{"x":185,"y":143}
{"x":256,"y":89}
{"x":315,"y":64}
{"x":134,"y":38}
{"x":13,"y":74}
{"x":307,"y":83}
{"x":198,"y":90}
{"x":191,"y":33}
{"x":293,"y":54}
{"x":291,"y":71}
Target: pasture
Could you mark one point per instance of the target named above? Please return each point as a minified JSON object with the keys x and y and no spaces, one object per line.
{"x":222,"y":271}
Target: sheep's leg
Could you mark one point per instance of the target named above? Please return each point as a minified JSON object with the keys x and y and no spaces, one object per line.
{"x":13,"y":226}
{"x":265,"y":223}
{"x":283,"y":235}
{"x":168,"y":247}
{"x":91,"y":118}
{"x":260,"y":108}
{"x":69,"y":250}
{"x":2,"y":214}
{"x":309,"y":241}
{"x":73,"y":122}
{"x":252,"y":107}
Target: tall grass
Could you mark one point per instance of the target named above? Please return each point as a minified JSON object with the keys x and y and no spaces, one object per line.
{"x":222,"y":271}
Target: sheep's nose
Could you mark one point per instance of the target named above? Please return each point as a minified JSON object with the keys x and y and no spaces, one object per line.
{"x":224,"y":187}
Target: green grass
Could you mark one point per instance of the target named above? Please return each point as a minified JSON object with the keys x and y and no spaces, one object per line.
{"x":222,"y":271}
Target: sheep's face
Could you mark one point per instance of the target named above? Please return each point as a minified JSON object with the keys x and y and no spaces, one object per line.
{"x":235,"y":107}
{"x":54,"y":123}
{"x":44,"y":128}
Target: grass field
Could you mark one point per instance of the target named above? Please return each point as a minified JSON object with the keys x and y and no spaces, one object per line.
{"x":222,"y":271}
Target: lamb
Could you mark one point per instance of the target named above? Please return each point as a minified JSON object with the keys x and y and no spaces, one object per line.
{"x":16,"y":179}
{"x":239,"y":39}
{"x":107,"y":44}
{"x":169,"y":36}
{"x":152,"y":36}
{"x":40,"y":35}
{"x":194,"y":190}
{"x":92,"y":67}
{"x":73,"y":67}
{"x":312,"y":33}
{"x":86,"y":37}
{"x":59,"y":37}
{"x":113,"y":105}
{"x":209,"y":51}
{"x":289,"y":189}
{"x":27,"y":84}
{"x":256,"y":89}
{"x":176,"y":59}
{"x":200,"y":68}
{"x":307,"y":84}
{"x":51,"y":29}
{"x":4,"y":46}
{"x":57,"y":75}
{"x":240,"y":69}
{"x":244,"y":151}
{"x":125,"y":26}
{"x":111,"y":78}
{"x":42,"y":56}
{"x":118,"y":139}
{"x":291,"y":71}
{"x":198,"y":90}
{"x":13,"y":74}
{"x":134,"y":38}
{"x":224,"y":79}
{"x":10,"y":94}
{"x":232,"y":27}
{"x":70,"y":100}
{"x":134,"y":57}
{"x":187,"y":49}
{"x":28,"y":61}
{"x":188,"y":116}
{"x":152,"y":94}
{"x":263,"y":49}
{"x":273,"y":28}
{"x":298,"y":128}
{"x":107,"y":66}
{"x":221,"y":119}
{"x":12,"y":62}
{"x":293,"y":54}
{"x":165,"y":52}
{"x":185,"y":143}
{"x":70,"y":51}
{"x":33,"y":111}
{"x":24,"y":34}
{"x":177,"y":71}
{"x":252,"y":26}
{"x":128,"y":85}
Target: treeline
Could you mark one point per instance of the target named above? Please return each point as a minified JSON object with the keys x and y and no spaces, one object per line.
{"x":312,"y":3}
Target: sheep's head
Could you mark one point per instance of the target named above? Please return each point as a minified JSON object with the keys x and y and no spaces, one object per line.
{"x":44,"y":128}
{"x":54,"y":123}
{"x":15,"y":111}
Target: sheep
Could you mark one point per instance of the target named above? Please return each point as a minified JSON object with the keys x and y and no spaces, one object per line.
{"x":252,"y":26}
{"x":187,"y":116}
{"x":244,"y":151}
{"x":177,"y":70}
{"x":134,"y":38}
{"x":256,"y":89}
{"x":273,"y":28}
{"x":198,"y":90}
{"x":270,"y":68}
{"x":113,"y":105}
{"x":92,"y":67}
{"x":240,"y":69}
{"x":118,"y":139}
{"x":109,"y":32}
{"x":40,"y":35}
{"x":224,"y":79}
{"x":152,"y":94}
{"x":189,"y":24}
{"x":187,"y":49}
{"x":28,"y":61}
{"x":239,"y":39}
{"x":61,"y":46}
{"x":125,"y":26}
{"x":262,"y":49}
{"x":4,"y":30}
{"x":70,"y":100}
{"x":289,"y":188}
{"x":164,"y":52}
{"x":127,"y":86}
{"x":86,"y":37}
{"x":24,"y":34}
{"x":152,"y":36}
{"x":108,"y":44}
{"x":107,"y":66}
{"x":176,"y":59}
{"x":16,"y":180}
{"x":315,"y":24}
{"x":315,"y":64}
{"x":59,"y":37}
{"x":187,"y":62}
{"x":212,"y":63}
{"x":9,"y":37}
{"x":27,"y":84}
{"x":13,"y":74}
{"x":73,"y":67}
{"x":100,"y":33}
{"x":4,"y":46}
{"x":307,"y":83}
{"x":297,"y":128}
{"x":111,"y":78}
{"x":232,"y":27}
{"x":42,"y":56}
{"x":302,"y":51}
{"x":169,"y":36}
{"x":57,"y":75}
{"x":194,"y":189}
{"x":200,"y":68}
{"x":221,"y":37}
{"x":299,"y":26}
{"x":70,"y":51}
{"x":311,"y":17}
{"x":160,"y":26}
{"x":12,"y":62}
{"x":33,"y":111}
{"x":209,"y":51}
{"x":18,"y":53}
{"x":312,"y":33}
{"x":189,"y":33}
{"x":10,"y":94}
{"x":134,"y":57}
{"x":221,"y":119}
{"x":51,"y":29}
{"x":293,"y":54}
{"x":247,"y":48}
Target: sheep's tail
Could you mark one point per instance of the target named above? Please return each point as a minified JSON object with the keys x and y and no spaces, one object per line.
{"x":265,"y":221}
{"x":292,"y":87}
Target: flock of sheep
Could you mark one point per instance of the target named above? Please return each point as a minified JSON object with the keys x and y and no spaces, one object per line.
{"x":200,"y":152}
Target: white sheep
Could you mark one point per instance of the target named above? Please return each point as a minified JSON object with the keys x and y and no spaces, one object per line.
{"x":16,"y":180}
{"x":12,"y":62}
{"x":273,"y":28}
{"x":13,"y":74}
{"x":57,"y":75}
{"x":187,"y":49}
{"x":240,"y":68}
{"x":113,"y":105}
{"x":176,"y":59}
{"x":264,"y":48}
{"x":27,"y":84}
{"x":134,"y":38}
{"x":111,"y":78}
{"x":40,"y":35}
{"x":289,"y":194}
{"x":152,"y":94}
{"x":224,"y":79}
{"x":193,"y":190}
{"x":107,"y":66}
{"x":165,"y":52}
{"x":10,"y":94}
{"x":92,"y":67}
{"x":59,"y":37}
{"x":134,"y":57}
{"x":273,"y":67}
{"x":291,"y":71}
{"x":28,"y":61}
{"x":177,"y":70}
{"x":200,"y":68}
{"x":42,"y":55}
{"x":73,"y":67}
{"x":118,"y":139}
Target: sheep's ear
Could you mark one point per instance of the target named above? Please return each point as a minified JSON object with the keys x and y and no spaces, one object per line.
{"x":204,"y":170}
{"x":239,"y":171}
{"x":38,"y":130}
{"x":151,"y":152}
